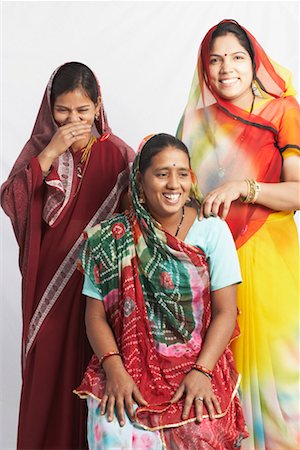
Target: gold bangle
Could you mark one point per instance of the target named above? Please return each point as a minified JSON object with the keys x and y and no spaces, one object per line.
{"x":252,"y":193}
{"x":244,"y":199}
{"x":257,"y":191}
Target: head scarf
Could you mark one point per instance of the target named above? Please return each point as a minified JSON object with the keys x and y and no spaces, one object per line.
{"x":59,"y":184}
{"x":155,"y":290}
{"x":228,"y":143}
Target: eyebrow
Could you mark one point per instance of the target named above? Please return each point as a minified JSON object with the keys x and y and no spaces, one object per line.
{"x":234,"y":53}
{"x":172,"y":167}
{"x":66,"y":107}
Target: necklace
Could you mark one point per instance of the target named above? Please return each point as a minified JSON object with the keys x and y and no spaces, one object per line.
{"x":221,"y":168}
{"x":180,"y":223}
{"x":85,"y":156}
{"x":86,"y":153}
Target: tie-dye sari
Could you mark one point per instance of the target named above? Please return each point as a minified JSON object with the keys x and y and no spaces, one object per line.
{"x":156,"y":294}
{"x":227,"y":143}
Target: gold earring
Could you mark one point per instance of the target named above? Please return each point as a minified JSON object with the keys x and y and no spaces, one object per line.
{"x":97,"y":115}
{"x":140,"y":194}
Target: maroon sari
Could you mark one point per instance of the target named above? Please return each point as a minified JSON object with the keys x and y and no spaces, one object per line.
{"x":48,"y":217}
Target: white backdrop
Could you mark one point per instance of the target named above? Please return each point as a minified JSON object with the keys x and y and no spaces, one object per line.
{"x":144,"y":54}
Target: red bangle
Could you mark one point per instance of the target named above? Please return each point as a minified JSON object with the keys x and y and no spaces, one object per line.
{"x":107,"y":355}
{"x":203,"y":370}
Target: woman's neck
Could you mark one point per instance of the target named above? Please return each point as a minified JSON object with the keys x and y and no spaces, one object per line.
{"x":170,"y":222}
{"x":245,"y":102}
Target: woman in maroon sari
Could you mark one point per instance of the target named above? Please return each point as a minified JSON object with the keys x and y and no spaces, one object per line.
{"x":72,"y":173}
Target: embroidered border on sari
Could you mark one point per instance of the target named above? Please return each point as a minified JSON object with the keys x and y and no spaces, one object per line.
{"x":68,"y":266}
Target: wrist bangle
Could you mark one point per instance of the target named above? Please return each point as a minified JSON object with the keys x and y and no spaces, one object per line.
{"x":208,"y":373}
{"x":253,"y":189}
{"x":108,"y":355}
{"x":257,"y":191}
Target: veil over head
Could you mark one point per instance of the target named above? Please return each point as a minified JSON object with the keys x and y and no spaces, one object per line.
{"x":42,"y":133}
{"x":45,"y":127}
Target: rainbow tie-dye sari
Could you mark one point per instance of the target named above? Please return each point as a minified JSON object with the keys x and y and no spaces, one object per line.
{"x":227,"y":143}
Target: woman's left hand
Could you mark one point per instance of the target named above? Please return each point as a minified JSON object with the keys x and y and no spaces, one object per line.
{"x":198,"y":390}
{"x":222,"y":196}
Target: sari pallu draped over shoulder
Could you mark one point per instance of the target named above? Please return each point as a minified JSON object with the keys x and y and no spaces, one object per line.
{"x":59,"y":183}
{"x":227,"y":143}
{"x":156,"y":295}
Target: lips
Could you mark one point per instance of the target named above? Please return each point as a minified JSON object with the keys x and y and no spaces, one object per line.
{"x":229,"y":81}
{"x":172,"y":198}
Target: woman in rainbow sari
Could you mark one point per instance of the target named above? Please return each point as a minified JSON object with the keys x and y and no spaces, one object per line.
{"x":241,"y":125}
{"x":162,"y":375}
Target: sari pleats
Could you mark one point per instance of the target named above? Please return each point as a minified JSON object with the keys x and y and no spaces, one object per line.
{"x":266,"y":353}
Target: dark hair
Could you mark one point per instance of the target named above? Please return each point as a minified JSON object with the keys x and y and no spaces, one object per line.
{"x":71,"y":76}
{"x":155,"y":145}
{"x":231,"y":26}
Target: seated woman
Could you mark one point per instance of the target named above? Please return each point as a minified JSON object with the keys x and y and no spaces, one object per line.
{"x":162,"y":375}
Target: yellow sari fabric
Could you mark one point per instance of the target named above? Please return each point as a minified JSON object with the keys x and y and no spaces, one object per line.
{"x":266,"y":352}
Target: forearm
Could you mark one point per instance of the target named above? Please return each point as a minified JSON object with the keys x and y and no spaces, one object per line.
{"x":283,"y":196}
{"x":104,"y":342}
{"x":217,"y":338}
{"x":46,"y":158}
{"x":101,"y":342}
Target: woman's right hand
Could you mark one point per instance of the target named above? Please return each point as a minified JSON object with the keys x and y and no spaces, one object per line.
{"x":64,"y":138}
{"x":120,"y":393}
{"x":218,"y":201}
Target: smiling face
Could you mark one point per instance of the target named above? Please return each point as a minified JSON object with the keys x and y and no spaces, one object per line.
{"x":166,"y":183}
{"x":74,"y":106}
{"x":231,"y":71}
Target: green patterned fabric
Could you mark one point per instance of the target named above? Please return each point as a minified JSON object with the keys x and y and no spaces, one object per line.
{"x":164,"y":271}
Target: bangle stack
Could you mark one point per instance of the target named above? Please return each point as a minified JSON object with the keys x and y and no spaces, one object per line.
{"x":252,"y":193}
{"x":108,"y":355}
{"x":208,"y":373}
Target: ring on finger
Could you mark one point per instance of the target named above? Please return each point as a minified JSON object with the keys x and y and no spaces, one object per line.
{"x":199,"y":399}
{"x":73,"y":134}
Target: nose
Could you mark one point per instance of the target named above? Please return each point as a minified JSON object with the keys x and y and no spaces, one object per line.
{"x":73,"y":116}
{"x":226,"y":64}
{"x":173,"y":181}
